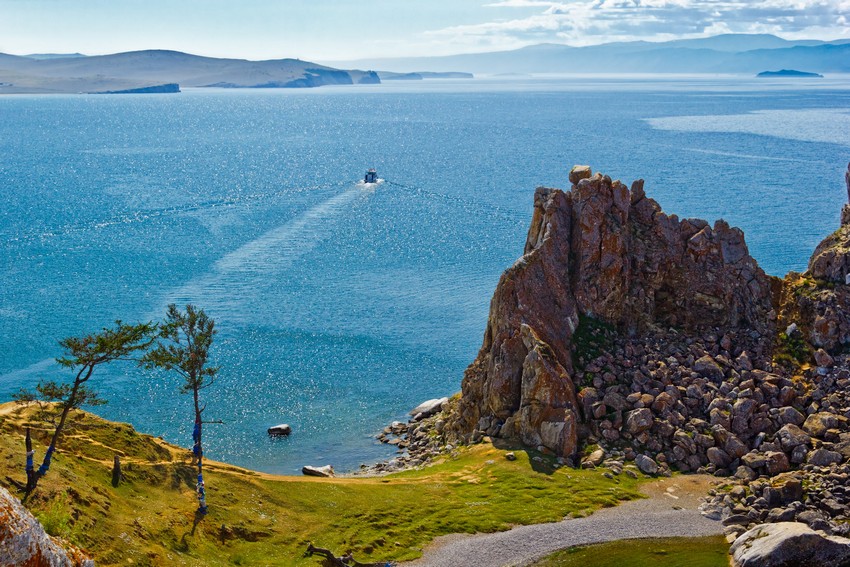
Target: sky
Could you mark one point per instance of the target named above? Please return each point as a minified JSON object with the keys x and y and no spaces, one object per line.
{"x":320,"y":30}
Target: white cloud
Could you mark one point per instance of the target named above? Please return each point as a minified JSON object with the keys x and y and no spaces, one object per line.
{"x":583,"y":22}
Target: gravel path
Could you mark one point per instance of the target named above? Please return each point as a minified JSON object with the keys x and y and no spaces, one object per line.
{"x":670,"y":510}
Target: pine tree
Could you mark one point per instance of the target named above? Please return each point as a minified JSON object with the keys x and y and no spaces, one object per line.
{"x":186,"y":338}
{"x":83,"y":355}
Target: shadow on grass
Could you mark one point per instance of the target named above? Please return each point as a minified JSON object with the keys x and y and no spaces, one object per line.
{"x":539,"y":462}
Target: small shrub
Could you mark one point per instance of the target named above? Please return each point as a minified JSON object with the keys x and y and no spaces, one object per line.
{"x":56,"y":519}
{"x":792,"y":351}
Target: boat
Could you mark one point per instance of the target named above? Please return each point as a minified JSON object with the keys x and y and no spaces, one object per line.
{"x":371,"y":176}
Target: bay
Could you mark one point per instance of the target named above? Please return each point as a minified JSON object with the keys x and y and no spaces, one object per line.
{"x":341,"y":307}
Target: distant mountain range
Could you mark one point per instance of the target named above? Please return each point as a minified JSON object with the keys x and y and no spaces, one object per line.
{"x":55,"y":73}
{"x":728,"y":53}
{"x":158,"y":70}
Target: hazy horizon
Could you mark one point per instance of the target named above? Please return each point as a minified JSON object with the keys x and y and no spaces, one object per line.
{"x":322,"y":30}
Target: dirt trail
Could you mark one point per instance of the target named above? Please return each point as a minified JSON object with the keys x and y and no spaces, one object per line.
{"x":670,"y":510}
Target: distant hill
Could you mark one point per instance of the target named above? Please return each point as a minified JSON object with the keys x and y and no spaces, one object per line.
{"x":728,"y":53}
{"x":142,"y":69}
{"x":789,"y":73}
{"x":420,"y":75}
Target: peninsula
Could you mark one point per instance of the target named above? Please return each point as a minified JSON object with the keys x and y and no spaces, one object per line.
{"x":147,"y":71}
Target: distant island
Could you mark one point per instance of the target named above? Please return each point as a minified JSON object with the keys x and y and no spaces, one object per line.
{"x":789,"y":73}
{"x":421,"y":75}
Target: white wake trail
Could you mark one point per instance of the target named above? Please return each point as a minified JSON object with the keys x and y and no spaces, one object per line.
{"x":236,"y":278}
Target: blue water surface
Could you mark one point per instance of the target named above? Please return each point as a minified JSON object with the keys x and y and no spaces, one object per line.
{"x":340,"y":306}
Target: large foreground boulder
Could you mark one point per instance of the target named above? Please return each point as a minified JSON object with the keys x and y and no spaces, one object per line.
{"x":789,"y":544}
{"x":23,"y":540}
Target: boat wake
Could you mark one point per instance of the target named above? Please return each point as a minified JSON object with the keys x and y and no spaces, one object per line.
{"x":363,"y":185}
{"x":236,"y":279}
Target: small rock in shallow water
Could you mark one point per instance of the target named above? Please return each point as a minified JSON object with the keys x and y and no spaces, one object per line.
{"x":282,"y":429}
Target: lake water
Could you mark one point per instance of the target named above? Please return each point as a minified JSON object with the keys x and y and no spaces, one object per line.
{"x":341,"y":307}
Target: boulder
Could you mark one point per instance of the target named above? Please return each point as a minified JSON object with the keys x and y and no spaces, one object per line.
{"x":325,"y":471}
{"x":638,"y":420}
{"x":707,"y":367}
{"x":595,"y":458}
{"x":428,"y":408}
{"x":790,"y":487}
{"x":789,"y":544}
{"x":24,"y":542}
{"x":718,"y":457}
{"x":282,"y":429}
{"x":823,"y":359}
{"x":754,"y":460}
{"x":817,"y":424}
{"x":646,"y":464}
{"x":776,"y":462}
{"x":791,"y":436}
{"x":788,"y":414}
{"x":824,"y":457}
{"x":579,"y":172}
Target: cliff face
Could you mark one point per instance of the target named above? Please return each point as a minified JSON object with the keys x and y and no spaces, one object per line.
{"x":605,"y":252}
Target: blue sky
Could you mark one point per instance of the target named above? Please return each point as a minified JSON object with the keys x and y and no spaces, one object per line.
{"x":349,"y":29}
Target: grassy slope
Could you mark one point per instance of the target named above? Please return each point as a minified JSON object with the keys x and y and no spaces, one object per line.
{"x":710,"y":551}
{"x":258,"y":519}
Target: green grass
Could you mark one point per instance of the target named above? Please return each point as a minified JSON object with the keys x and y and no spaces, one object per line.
{"x":792,"y":352}
{"x":670,"y":552}
{"x":55,"y":517}
{"x":258,"y":519}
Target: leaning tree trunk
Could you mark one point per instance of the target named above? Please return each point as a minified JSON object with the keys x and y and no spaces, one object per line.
{"x":198,"y":450}
{"x":48,"y":455}
{"x":30,"y":466}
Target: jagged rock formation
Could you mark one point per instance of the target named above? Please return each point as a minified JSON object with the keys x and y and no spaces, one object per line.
{"x":604,"y":252}
{"x":23,"y":540}
{"x":819,"y":300}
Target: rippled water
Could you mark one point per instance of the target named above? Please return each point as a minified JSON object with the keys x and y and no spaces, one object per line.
{"x":340,"y":306}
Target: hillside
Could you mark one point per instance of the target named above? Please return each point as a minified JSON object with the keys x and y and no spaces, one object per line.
{"x":259,"y":519}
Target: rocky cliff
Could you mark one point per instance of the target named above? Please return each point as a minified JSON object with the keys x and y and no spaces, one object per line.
{"x":24,"y":542}
{"x":608,"y":255}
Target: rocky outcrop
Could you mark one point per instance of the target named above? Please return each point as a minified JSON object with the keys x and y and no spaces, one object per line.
{"x":23,"y":540}
{"x":605,"y":253}
{"x":818,"y":301}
